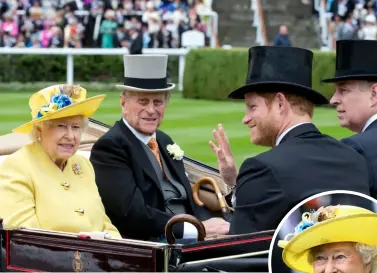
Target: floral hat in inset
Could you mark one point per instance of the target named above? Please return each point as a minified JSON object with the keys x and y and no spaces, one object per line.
{"x":332,"y":224}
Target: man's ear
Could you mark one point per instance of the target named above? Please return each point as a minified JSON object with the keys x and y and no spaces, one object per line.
{"x":282,"y":101}
{"x":122,"y":100}
{"x":373,"y":95}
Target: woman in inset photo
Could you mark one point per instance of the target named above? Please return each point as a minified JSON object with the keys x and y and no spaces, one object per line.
{"x":329,"y":233}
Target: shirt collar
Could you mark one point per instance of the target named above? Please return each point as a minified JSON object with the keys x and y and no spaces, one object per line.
{"x":278,"y":140}
{"x":369,"y":122}
{"x":143,"y":138}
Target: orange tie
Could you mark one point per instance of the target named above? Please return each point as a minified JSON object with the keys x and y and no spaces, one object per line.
{"x":153,"y":145}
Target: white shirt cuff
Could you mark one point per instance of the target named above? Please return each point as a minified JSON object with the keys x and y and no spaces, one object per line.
{"x":189,"y":231}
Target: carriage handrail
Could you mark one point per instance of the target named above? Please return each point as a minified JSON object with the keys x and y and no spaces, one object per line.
{"x":238,"y":256}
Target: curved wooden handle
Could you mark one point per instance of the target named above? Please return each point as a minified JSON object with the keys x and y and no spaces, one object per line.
{"x":208,"y":180}
{"x":184,"y":218}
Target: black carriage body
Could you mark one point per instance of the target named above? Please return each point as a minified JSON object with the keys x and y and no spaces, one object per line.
{"x":31,"y":250}
{"x":27,"y":250}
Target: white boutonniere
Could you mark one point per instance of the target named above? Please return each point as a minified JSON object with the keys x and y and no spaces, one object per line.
{"x":175,"y":151}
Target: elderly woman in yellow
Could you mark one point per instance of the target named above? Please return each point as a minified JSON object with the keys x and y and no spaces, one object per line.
{"x":333,"y":239}
{"x":45,"y":184}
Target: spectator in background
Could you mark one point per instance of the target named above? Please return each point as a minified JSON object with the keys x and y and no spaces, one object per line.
{"x":164,"y":37}
{"x":200,"y":7}
{"x":20,"y":41}
{"x":149,"y":15}
{"x":282,"y":38}
{"x":139,"y":5}
{"x":57,"y":39}
{"x":133,"y":23}
{"x":46,"y":33}
{"x":359,"y":13}
{"x":108,"y":29}
{"x":368,"y":30}
{"x":136,"y":41}
{"x":34,"y":41}
{"x":348,"y":30}
{"x":334,"y":27}
{"x":9,"y":26}
{"x":72,"y":33}
{"x":146,"y":36}
{"x":371,"y":11}
{"x":128,"y":5}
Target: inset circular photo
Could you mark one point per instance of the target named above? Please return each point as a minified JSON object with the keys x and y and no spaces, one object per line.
{"x":334,"y":231}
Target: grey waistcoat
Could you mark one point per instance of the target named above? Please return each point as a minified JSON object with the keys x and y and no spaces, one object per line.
{"x":174,"y":193}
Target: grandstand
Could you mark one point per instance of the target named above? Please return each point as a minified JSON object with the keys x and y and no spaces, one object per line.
{"x":138,"y":24}
{"x":133,"y":24}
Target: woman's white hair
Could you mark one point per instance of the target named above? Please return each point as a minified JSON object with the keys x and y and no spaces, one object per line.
{"x":368,"y":254}
{"x":45,"y":124}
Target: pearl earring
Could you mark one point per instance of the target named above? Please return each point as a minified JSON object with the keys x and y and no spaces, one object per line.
{"x":39,"y":139}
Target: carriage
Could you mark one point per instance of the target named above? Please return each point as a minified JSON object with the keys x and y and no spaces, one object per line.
{"x":26,"y":249}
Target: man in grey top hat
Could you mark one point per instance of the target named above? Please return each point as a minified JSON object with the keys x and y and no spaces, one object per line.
{"x":142,"y":185}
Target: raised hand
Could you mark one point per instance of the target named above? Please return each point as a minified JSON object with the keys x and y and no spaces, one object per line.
{"x":225,"y":160}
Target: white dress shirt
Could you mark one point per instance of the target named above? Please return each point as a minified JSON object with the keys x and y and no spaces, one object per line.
{"x":189,"y":230}
{"x":369,"y":122}
{"x":278,"y":140}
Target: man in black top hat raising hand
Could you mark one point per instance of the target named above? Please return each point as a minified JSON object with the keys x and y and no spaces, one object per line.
{"x":355,"y":99}
{"x":303,"y":161}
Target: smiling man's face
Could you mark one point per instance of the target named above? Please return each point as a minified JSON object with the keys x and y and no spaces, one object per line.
{"x":144,"y":111}
{"x":261,"y":118}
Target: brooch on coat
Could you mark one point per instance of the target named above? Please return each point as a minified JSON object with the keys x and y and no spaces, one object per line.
{"x":175,"y":151}
{"x":76,"y":167}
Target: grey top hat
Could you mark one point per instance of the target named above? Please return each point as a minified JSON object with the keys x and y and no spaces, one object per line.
{"x":145,"y":73}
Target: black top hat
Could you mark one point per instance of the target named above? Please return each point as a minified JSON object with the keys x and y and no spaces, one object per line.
{"x":355,"y":59}
{"x":275,"y":68}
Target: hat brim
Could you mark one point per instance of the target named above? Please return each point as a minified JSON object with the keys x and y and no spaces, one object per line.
{"x":351,"y":77}
{"x":84,"y":108}
{"x":312,"y":95}
{"x":359,"y":228}
{"x":169,"y":87}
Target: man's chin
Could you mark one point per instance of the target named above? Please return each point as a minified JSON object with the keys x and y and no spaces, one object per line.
{"x":149,"y":131}
{"x":260,"y":141}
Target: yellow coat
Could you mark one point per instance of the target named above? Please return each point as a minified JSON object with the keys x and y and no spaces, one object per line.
{"x":35,"y":193}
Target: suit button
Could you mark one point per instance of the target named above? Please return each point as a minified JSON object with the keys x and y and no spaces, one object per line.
{"x":80,"y":211}
{"x":65,"y":186}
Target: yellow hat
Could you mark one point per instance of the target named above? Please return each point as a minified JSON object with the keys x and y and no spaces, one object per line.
{"x":59,"y":101}
{"x":331,"y":224}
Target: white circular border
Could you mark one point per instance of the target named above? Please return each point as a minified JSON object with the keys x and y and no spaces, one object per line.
{"x":302,"y":203}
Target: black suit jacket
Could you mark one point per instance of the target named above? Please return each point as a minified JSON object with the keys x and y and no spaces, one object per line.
{"x":366,"y":145}
{"x":137,"y":44}
{"x":129,"y":187}
{"x":305,"y":163}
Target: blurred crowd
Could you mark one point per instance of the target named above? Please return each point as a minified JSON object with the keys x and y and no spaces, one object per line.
{"x":352,"y":19}
{"x":134,"y":24}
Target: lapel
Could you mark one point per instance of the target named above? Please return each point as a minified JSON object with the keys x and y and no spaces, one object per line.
{"x":174,"y":166}
{"x":139,"y":154}
{"x":300,"y":130}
